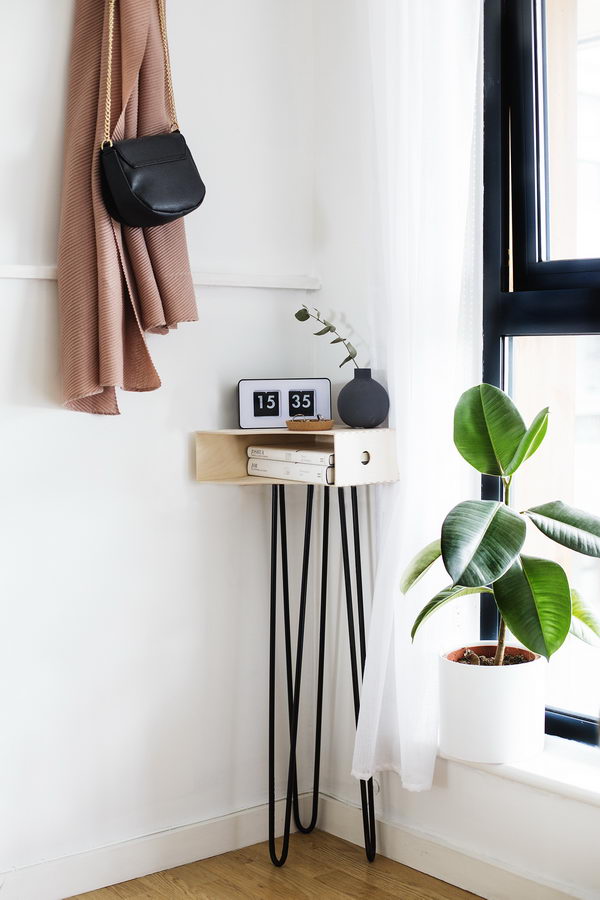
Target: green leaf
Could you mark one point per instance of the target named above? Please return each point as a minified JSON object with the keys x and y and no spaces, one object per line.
{"x":530,"y":441}
{"x":329,"y":325}
{"x":584,"y":624}
{"x":419,"y":565}
{"x":351,"y":350}
{"x":322,"y":331}
{"x":582,"y":633}
{"x":480,"y":540}
{"x":573,"y":528}
{"x":347,"y":360}
{"x":302,"y":315}
{"x":337,"y":340}
{"x":584,"y":613}
{"x":488,"y":429}
{"x":535,"y":602}
{"x":449,"y":593}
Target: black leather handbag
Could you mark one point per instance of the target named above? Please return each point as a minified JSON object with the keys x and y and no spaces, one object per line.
{"x":152,"y":180}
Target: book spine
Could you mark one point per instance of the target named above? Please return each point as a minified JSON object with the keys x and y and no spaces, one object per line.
{"x":309,"y":457}
{"x":275,"y":468}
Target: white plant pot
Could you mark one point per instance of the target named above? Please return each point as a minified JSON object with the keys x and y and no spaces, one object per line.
{"x":492,"y":714}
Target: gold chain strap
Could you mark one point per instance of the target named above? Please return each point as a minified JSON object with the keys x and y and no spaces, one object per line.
{"x":168,"y":78}
{"x":108,"y":87}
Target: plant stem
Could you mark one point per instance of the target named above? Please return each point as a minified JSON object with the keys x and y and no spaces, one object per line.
{"x":507,"y":491}
{"x":499,"y":657}
{"x":337,"y":334}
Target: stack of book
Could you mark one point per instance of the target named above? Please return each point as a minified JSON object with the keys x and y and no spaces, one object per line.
{"x":310,"y":465}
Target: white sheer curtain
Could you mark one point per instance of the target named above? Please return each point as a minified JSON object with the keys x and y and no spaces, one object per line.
{"x":425,"y":65}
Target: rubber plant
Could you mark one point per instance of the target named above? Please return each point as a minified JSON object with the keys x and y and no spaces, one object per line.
{"x":482,"y":541}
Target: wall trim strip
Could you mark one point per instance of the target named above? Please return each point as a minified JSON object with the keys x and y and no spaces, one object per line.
{"x":200,"y":278}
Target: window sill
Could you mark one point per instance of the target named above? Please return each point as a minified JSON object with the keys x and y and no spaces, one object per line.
{"x":569,"y":768}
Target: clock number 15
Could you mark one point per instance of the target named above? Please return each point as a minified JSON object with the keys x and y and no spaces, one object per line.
{"x":266,"y":403}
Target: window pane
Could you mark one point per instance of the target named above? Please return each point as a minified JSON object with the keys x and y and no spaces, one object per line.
{"x":564,"y":374}
{"x":569,"y":139}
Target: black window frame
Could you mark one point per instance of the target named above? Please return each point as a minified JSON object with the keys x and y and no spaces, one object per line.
{"x":528,"y":95}
{"x":548,"y":297}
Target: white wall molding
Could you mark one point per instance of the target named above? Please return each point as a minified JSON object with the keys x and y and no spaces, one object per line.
{"x":83,"y":872}
{"x":432,"y":854}
{"x":200,"y":278}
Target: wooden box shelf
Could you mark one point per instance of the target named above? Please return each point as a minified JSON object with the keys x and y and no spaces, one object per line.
{"x":362,"y":455}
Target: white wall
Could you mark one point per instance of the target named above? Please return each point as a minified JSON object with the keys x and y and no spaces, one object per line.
{"x":133,"y":668}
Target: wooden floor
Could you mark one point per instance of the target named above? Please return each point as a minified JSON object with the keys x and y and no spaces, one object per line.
{"x":319,"y":866}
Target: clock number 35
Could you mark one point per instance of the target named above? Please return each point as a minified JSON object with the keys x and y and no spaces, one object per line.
{"x":302,"y":402}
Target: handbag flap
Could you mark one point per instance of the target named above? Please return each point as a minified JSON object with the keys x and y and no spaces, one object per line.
{"x":152,"y":150}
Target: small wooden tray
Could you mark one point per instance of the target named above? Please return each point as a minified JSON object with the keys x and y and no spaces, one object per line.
{"x":309,"y":424}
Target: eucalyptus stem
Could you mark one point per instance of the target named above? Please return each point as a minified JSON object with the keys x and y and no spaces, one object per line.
{"x":349,"y":349}
{"x":499,"y":657}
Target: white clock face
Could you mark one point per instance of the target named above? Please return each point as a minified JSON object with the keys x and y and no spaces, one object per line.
{"x":269,"y":403}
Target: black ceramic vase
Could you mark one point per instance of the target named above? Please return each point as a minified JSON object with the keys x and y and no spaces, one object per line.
{"x":363,"y":402}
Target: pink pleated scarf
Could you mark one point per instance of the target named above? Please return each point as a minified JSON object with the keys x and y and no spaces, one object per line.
{"x":114,"y":282}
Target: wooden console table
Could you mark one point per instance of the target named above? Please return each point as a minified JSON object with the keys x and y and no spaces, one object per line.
{"x":362,"y":457}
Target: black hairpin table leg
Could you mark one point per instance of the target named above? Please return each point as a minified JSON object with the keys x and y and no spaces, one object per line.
{"x":366,"y":787}
{"x":293,"y":684}
{"x":294,"y":672}
{"x":306,"y":829}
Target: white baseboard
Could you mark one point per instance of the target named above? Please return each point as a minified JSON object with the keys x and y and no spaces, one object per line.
{"x":82,"y":872}
{"x":435,"y":856}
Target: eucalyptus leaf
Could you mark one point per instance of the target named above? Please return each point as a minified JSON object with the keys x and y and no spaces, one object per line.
{"x":488,"y":429}
{"x":585,"y":625}
{"x":568,"y":526}
{"x":449,"y":593}
{"x":351,"y":350}
{"x":535,"y":602}
{"x":302,"y":315}
{"x":530,"y":441}
{"x":322,"y":331}
{"x":347,"y":360}
{"x":419,"y":565}
{"x":337,"y":340}
{"x":480,"y":541}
